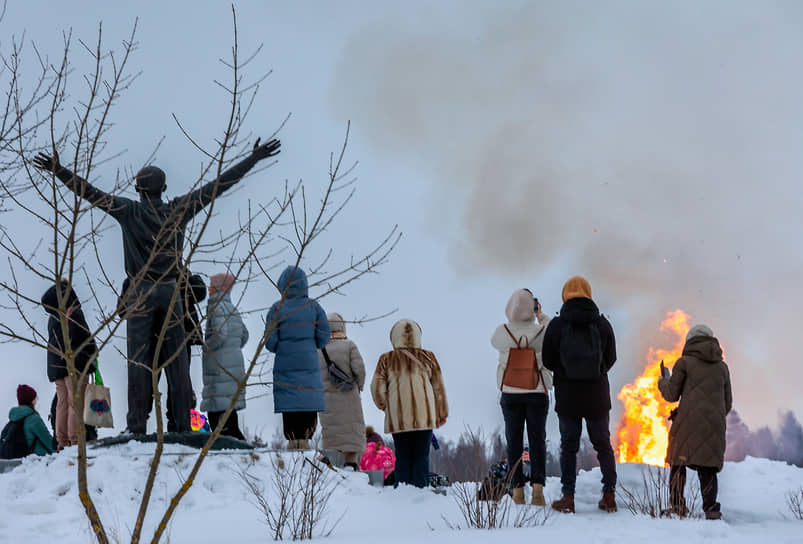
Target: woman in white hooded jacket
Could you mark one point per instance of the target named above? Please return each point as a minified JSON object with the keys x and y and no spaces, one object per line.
{"x":524,"y":406}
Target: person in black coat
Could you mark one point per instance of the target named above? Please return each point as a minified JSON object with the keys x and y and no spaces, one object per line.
{"x":80,"y":341}
{"x":580,"y":348}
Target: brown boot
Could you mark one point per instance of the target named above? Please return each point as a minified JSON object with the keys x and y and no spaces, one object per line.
{"x":538,"y":495}
{"x":518,"y":495}
{"x":608,"y":502}
{"x":565,"y":504}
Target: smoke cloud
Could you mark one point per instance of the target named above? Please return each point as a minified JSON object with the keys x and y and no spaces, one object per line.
{"x":653,"y":147}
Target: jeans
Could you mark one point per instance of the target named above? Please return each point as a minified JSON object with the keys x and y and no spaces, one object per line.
{"x":600,"y":436}
{"x":708,"y":487}
{"x":518,"y":409}
{"x":412,"y":457}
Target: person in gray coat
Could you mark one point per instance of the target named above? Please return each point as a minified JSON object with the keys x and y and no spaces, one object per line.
{"x":343,"y":424}
{"x":223,"y":363}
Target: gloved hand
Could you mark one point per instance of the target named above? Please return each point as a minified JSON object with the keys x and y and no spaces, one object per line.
{"x":46,"y":162}
{"x":664,"y":371}
{"x":270,"y":149}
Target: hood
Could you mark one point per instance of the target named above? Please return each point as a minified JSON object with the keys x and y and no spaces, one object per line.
{"x":296,"y":279}
{"x":704,"y":348}
{"x":521,"y":306}
{"x":576,"y":287}
{"x":579,"y":310}
{"x":406,"y":333}
{"x":20,"y":412}
{"x":336,"y":323}
{"x":50,"y":299}
{"x":699,"y":330}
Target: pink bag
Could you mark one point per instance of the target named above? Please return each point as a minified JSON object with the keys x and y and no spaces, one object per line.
{"x":378,"y":457}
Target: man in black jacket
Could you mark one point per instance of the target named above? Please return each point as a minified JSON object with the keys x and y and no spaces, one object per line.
{"x":580,"y":348}
{"x":153,"y":243}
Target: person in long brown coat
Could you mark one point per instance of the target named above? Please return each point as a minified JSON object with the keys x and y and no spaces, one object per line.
{"x":701,"y":380}
{"x":342,"y":423}
{"x":408,"y":387}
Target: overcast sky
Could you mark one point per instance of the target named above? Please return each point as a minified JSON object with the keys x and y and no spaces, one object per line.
{"x":651,"y":147}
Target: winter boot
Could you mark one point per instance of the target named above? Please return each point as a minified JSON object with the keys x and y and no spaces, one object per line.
{"x":608,"y":502}
{"x":565,"y":504}
{"x":538,"y":495}
{"x":518,"y":495}
{"x":303,"y":445}
{"x":292,"y":445}
{"x":713,"y":512}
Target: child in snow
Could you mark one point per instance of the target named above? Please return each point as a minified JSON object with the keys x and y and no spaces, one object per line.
{"x":377,"y":456}
{"x":701,"y":380}
{"x":79,"y":337}
{"x":342,"y":423}
{"x":37,"y":438}
{"x":408,"y":387}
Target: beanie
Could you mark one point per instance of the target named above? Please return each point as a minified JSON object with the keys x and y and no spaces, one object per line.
{"x":26,"y":395}
{"x":576,"y":287}
{"x":699,"y":330}
{"x":220,"y":283}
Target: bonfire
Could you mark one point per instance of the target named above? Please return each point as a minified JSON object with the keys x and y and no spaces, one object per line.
{"x":644,"y":428}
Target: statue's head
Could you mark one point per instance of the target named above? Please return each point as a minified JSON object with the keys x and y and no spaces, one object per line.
{"x":150,"y":181}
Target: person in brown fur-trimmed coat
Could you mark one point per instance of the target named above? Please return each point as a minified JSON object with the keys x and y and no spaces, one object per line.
{"x":408,"y":387}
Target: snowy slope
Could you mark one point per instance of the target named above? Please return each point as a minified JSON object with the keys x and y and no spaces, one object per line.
{"x":38,"y":503}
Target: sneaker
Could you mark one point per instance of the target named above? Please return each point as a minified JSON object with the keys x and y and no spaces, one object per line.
{"x":565,"y":504}
{"x":608,"y":502}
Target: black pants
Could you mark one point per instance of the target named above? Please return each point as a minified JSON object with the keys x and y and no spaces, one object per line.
{"x":299,"y":425}
{"x":530,"y":409}
{"x":709,"y":487}
{"x":412,"y":457}
{"x":600,"y":435}
{"x":231,"y":428}
{"x":171,"y":422}
{"x":143,"y":332}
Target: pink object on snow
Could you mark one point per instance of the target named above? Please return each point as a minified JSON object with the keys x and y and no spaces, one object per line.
{"x":378,"y":457}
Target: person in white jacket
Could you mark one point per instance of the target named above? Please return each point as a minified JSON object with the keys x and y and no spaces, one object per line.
{"x":522,"y":406}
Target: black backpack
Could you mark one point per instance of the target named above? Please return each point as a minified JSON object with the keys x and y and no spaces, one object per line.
{"x":339,"y":379}
{"x":12,"y":440}
{"x":581,"y":352}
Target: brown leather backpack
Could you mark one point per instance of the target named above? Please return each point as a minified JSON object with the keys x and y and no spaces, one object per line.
{"x":522,"y":369}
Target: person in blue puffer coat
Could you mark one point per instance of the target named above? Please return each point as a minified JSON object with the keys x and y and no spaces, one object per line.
{"x":297,"y":328}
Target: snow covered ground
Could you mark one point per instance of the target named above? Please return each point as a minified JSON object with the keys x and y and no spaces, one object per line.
{"x":39,"y":503}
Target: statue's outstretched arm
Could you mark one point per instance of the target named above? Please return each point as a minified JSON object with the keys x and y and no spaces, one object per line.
{"x":81,"y":187}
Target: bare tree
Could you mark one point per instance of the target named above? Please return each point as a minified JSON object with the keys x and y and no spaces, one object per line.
{"x":67,"y":211}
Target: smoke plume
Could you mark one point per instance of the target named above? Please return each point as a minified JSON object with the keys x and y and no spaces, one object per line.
{"x":652,"y":147}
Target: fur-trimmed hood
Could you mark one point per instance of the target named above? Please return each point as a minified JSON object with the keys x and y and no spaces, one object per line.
{"x":405,"y":333}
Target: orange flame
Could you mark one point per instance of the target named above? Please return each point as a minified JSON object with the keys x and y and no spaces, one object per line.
{"x":644,"y":428}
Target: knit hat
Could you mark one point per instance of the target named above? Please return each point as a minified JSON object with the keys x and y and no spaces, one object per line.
{"x":220,"y":283}
{"x":576,"y":287}
{"x":699,"y":330}
{"x":26,"y":395}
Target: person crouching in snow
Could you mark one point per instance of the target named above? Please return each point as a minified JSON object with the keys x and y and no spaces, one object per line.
{"x":701,"y":380}
{"x":524,"y":402}
{"x":342,"y":423}
{"x":377,"y":456}
{"x":408,"y":387}
{"x":37,"y":438}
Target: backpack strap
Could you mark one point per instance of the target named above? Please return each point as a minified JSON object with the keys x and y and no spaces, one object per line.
{"x":518,"y":342}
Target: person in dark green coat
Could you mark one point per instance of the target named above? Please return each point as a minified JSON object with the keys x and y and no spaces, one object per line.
{"x":37,"y":436}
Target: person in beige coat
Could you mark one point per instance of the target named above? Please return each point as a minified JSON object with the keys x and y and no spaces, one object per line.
{"x":522,"y":406}
{"x":408,"y":386}
{"x":342,"y":422}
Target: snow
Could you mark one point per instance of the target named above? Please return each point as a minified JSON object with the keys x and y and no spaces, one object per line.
{"x":39,"y":503}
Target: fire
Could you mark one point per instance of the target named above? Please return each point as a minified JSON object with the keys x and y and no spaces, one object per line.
{"x":644,"y":427}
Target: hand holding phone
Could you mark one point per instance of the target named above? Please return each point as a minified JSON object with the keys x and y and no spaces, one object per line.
{"x":664,"y":371}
